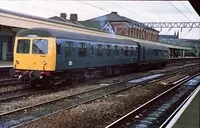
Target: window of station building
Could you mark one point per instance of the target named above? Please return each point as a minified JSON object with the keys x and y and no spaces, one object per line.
{"x":69,"y":48}
{"x":108,"y":50}
{"x":23,"y":46}
{"x":126,"y":51}
{"x":99,"y":50}
{"x":91,"y":50}
{"x":82,"y":50}
{"x":10,"y":44}
{"x":116,"y":51}
{"x":40,"y":46}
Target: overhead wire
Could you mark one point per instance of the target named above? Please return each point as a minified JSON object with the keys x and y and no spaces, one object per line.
{"x":129,"y":11}
{"x":94,"y":6}
{"x":188,"y":10}
{"x":80,"y":9}
{"x":24,"y":2}
{"x":179,"y":10}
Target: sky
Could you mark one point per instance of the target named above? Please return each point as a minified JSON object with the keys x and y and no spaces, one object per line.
{"x":141,"y":11}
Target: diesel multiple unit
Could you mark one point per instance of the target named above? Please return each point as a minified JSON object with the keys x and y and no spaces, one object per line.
{"x":46,"y":56}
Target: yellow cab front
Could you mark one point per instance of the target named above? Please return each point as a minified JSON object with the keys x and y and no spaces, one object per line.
{"x":36,"y":53}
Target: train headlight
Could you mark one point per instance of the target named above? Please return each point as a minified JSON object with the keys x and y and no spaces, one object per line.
{"x":44,"y":62}
{"x":17,"y":61}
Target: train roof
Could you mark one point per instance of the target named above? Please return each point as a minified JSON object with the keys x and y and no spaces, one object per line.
{"x":154,"y":46}
{"x":45,"y":32}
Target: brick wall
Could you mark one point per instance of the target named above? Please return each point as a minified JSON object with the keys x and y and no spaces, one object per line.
{"x":123,"y":29}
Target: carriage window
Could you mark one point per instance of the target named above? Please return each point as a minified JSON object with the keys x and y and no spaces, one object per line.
{"x":40,"y":46}
{"x":116,"y":52}
{"x":108,"y":50}
{"x":82,"y":50}
{"x":132,"y":52}
{"x":58,"y":48}
{"x":23,"y":46}
{"x":69,"y":48}
{"x":91,"y":50}
{"x":122,"y":51}
{"x":126,"y":51}
{"x":99,"y":50}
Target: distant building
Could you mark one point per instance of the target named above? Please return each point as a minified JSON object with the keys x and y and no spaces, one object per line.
{"x":174,"y":39}
{"x":120,"y":25}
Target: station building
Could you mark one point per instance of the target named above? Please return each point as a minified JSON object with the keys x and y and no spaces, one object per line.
{"x":120,"y":25}
{"x":12,"y":22}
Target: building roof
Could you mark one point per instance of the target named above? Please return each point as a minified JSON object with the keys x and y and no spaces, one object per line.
{"x":57,"y":18}
{"x":112,"y":17}
{"x":93,"y":24}
{"x":51,"y":19}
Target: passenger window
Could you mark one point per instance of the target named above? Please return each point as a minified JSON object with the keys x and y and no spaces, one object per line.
{"x":132,"y":52}
{"x":122,"y":51}
{"x":69,"y":48}
{"x":108,"y":50}
{"x":91,"y":50}
{"x":126,"y":51}
{"x":82,"y":50}
{"x":99,"y":50}
{"x":116,"y":51}
{"x":58,"y":48}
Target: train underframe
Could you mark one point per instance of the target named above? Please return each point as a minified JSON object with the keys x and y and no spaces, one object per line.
{"x":68,"y":77}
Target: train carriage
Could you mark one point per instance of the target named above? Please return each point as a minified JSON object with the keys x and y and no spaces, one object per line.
{"x":41,"y":53}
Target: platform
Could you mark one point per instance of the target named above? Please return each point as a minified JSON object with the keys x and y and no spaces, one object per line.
{"x":6,"y":64}
{"x":188,"y":116}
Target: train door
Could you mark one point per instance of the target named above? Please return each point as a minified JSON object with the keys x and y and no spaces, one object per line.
{"x":69,"y":54}
{"x":4,"y":50}
{"x":90,"y":55}
{"x":81,"y":59}
{"x":59,"y":62}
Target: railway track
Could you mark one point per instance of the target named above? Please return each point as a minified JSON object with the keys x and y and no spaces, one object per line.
{"x":8,"y":81}
{"x":149,"y":114}
{"x":23,"y":93}
{"x":50,"y":107}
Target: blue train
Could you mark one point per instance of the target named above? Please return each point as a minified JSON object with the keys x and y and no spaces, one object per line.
{"x":44,"y":55}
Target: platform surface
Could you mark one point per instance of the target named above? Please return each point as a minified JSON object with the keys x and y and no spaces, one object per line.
{"x":190,"y":117}
{"x":6,"y":64}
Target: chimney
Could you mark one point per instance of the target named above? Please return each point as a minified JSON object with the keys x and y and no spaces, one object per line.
{"x":73,"y":17}
{"x":114,"y":13}
{"x":63,"y":15}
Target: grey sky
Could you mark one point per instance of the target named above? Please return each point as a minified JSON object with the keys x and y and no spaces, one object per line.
{"x":142,"y":11}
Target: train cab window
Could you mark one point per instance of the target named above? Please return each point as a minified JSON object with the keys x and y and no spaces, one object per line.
{"x":108,"y":50}
{"x":91,"y":50}
{"x":126,"y":51}
{"x":82,"y":50}
{"x":99,"y":50}
{"x":40,"y":46}
{"x":69,"y":48}
{"x":116,"y":51}
{"x":58,"y":48}
{"x":23,"y":46}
